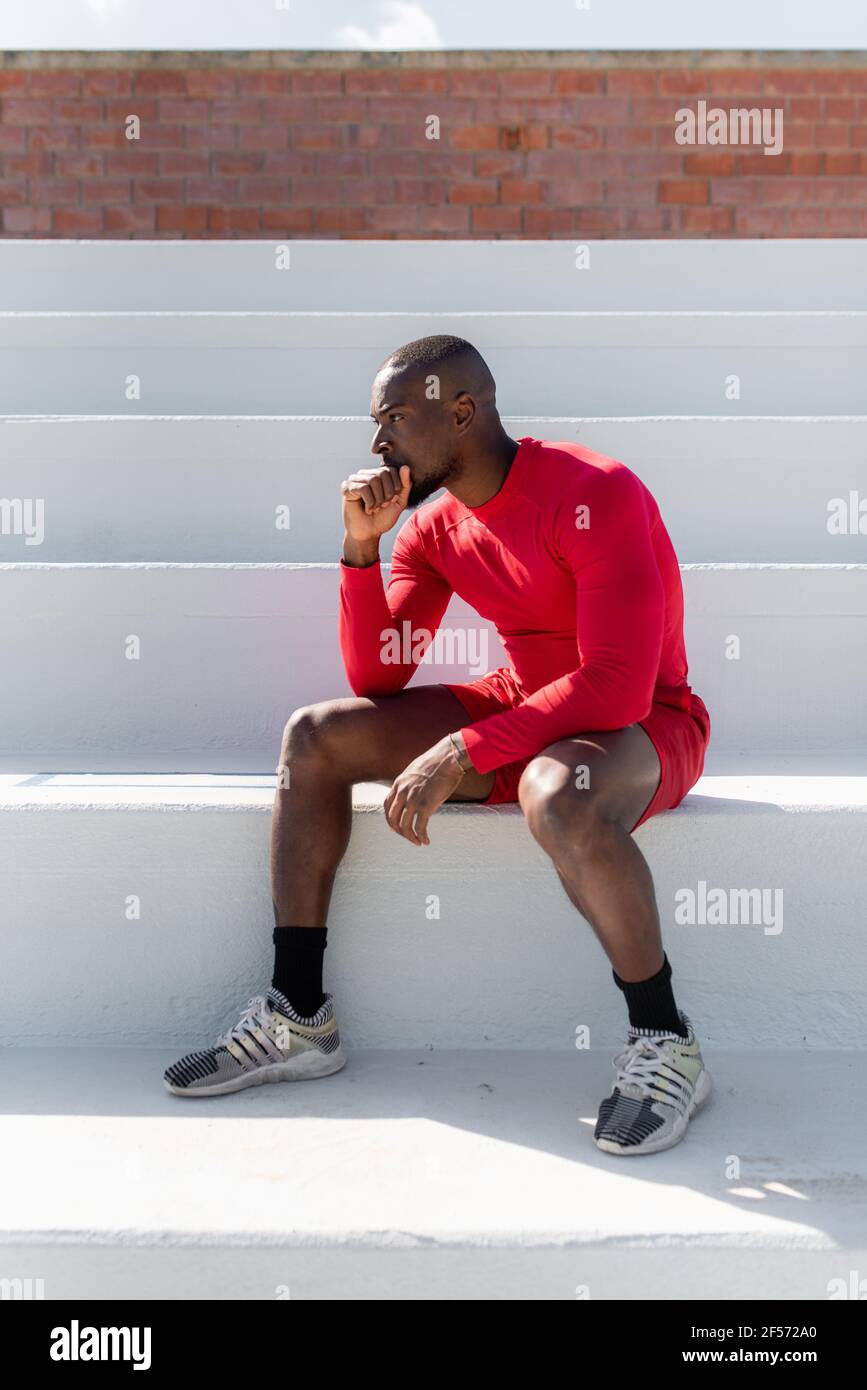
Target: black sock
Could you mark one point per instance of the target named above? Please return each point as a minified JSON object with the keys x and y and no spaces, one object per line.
{"x":651,"y":1002}
{"x":298,"y":953}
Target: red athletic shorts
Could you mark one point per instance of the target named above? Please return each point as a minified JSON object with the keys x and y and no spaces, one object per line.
{"x":680,"y":738}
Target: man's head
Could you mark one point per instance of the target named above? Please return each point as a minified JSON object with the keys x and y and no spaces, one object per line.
{"x":434,"y":403}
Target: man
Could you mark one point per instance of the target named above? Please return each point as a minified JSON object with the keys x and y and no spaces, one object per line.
{"x":592,"y":728}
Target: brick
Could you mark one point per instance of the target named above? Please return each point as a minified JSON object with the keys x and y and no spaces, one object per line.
{"x":577,"y":137}
{"x":521,"y":191}
{"x":527,"y":82}
{"x":212,"y":189}
{"x":103,"y":191}
{"x":316,"y":136}
{"x":144,"y":163}
{"x":632,"y":191}
{"x":709,"y":164}
{"x":295,"y":165}
{"x":186,"y":162}
{"x":482,"y":137}
{"x":105,"y":82}
{"x":761,"y":221}
{"x":341,"y":109}
{"x":315,"y":191}
{"x":632,"y":137}
{"x":156,"y":82}
{"x":76,"y":221}
{"x":13,"y":137}
{"x":26,"y":221}
{"x":575,"y":191}
{"x":78,"y":112}
{"x":158,"y":190}
{"x":191,"y":219}
{"x":316,"y":82}
{"x":636,"y":82}
{"x":335,"y":221}
{"x":734,"y":82}
{"x":683,"y":191}
{"x":429,"y":191}
{"x":681,"y":82}
{"x":806,"y":164}
{"x":27,"y":111}
{"x":29,"y":165}
{"x":181,"y":109}
{"x":600,"y":220}
{"x":66,"y":137}
{"x":263,"y":188}
{"x":366,"y":136}
{"x":145,"y":108}
{"x":473,"y":191}
{"x":391,"y":219}
{"x":705,"y":221}
{"x":284,"y":110}
{"x":476,"y":82}
{"x":545,"y":222}
{"x":238,"y":220}
{"x":372,"y":82}
{"x":573,"y":83}
{"x":451,"y":218}
{"x":260,"y":137}
{"x":55,"y":82}
{"x":51,"y":191}
{"x":285,"y":221}
{"x":14,"y":81}
{"x":496,"y":220}
{"x":226,"y":163}
{"x":644,"y":220}
{"x":13,"y":191}
{"x":848,"y":163}
{"x":131,"y":219}
{"x":832,"y":136}
{"x":426,"y":83}
{"x":503,"y":164}
{"x":216,"y":82}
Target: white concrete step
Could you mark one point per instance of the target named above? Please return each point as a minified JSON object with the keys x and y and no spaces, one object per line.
{"x":120,"y":488}
{"x":146,"y":666}
{"x":428,"y":1174}
{"x":137,"y":912}
{"x":612,"y":363}
{"x":571,"y":273}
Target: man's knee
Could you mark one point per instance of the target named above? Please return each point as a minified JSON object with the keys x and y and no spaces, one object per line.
{"x":561,"y":805}
{"x":310,"y":731}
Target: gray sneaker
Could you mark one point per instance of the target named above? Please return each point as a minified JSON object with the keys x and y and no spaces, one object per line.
{"x":270,"y":1042}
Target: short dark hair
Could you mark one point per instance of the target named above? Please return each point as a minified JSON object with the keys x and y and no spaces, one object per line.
{"x":440,"y":348}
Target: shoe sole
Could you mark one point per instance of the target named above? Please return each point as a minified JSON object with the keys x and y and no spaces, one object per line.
{"x":703,"y":1092}
{"x":308,"y":1066}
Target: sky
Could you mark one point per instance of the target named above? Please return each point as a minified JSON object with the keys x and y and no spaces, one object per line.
{"x":431,"y":24}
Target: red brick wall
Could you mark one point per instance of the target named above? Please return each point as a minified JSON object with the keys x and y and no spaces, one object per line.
{"x":333,"y":145}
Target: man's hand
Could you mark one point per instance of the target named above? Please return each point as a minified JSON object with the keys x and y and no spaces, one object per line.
{"x":421,"y":789}
{"x":373,"y":499}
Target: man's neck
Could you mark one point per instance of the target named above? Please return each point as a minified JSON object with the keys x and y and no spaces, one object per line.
{"x":482,"y":481}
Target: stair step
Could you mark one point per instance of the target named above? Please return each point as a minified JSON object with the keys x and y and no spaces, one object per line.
{"x":794,"y":273}
{"x":132,"y":488}
{"x":414,"y":1174}
{"x":229,"y":651}
{"x":610,"y":363}
{"x":138,"y":909}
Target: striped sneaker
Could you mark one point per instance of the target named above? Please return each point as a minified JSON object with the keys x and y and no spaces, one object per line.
{"x":270,"y":1042}
{"x":661,"y":1083}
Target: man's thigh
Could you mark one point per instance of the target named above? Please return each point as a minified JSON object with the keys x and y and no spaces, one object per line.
{"x":615,"y":771}
{"x":374,"y":739}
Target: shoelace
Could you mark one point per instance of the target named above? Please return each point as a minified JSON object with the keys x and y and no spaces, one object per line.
{"x":257,"y":1012}
{"x":638,"y":1062}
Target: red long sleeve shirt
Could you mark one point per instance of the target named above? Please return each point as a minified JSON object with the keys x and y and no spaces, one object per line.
{"x":571,"y":562}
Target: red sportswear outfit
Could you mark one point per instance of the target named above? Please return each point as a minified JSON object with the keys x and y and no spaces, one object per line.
{"x":571,"y":562}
